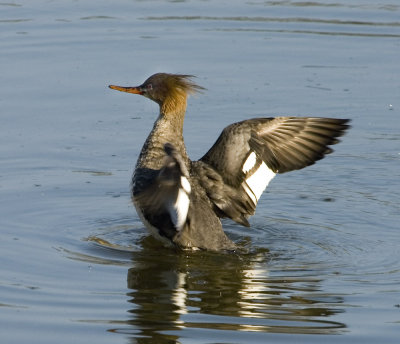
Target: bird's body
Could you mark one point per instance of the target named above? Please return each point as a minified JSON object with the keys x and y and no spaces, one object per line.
{"x":181,"y":201}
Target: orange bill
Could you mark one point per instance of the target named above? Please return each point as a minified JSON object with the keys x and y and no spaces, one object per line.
{"x":135,"y":90}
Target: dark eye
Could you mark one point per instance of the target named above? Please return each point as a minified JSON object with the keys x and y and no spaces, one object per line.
{"x":149,"y":87}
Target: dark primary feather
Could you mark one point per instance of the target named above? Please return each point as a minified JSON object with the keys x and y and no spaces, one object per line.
{"x":293,"y":143}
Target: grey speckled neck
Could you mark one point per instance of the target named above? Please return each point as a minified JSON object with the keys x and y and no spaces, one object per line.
{"x":167,"y":129}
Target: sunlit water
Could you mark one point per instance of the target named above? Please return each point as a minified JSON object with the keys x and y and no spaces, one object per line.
{"x":320,"y":262}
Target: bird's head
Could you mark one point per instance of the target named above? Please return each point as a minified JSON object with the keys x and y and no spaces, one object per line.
{"x":168,"y":90}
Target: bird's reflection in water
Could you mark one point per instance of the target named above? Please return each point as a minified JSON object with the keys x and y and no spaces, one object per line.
{"x":175,"y":291}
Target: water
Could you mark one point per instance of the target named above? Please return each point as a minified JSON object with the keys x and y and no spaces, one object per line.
{"x":322,"y":261}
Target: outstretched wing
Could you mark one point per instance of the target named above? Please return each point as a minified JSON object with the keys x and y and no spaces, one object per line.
{"x":248,"y":154}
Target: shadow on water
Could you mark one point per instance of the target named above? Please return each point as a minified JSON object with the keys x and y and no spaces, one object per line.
{"x":174,"y":291}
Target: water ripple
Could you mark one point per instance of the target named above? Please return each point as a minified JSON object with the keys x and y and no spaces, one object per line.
{"x":263,"y":290}
{"x":276,"y":19}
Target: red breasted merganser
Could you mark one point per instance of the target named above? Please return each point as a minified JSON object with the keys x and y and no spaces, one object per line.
{"x":181,"y":201}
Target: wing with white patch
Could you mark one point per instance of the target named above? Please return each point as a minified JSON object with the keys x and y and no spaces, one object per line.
{"x":165,"y":202}
{"x":248,"y":154}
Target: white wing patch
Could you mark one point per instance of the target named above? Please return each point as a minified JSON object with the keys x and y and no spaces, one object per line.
{"x":178,"y":208}
{"x":255,"y":184}
{"x":250,"y":162}
{"x":185,"y":185}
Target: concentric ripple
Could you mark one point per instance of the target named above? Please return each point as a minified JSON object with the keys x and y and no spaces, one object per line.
{"x":285,"y":280}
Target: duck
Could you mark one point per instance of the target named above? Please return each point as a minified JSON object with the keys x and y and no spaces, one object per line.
{"x":180,"y":201}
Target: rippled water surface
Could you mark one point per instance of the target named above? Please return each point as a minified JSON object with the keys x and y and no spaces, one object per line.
{"x":320,"y":262}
